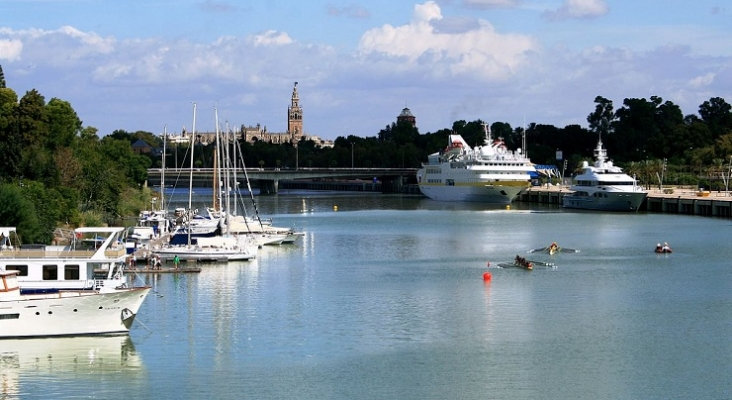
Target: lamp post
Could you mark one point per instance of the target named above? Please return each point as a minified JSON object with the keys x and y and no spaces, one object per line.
{"x":351,"y":155}
{"x":297,"y":158}
{"x":729,"y":174}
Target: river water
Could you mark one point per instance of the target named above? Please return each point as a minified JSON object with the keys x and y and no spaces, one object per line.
{"x":384,"y":298}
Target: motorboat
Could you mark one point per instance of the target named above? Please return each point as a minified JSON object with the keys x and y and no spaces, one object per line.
{"x":489,"y":173}
{"x":603,"y":186}
{"x":65,"y":312}
{"x":212,"y":249}
{"x":94,"y":259}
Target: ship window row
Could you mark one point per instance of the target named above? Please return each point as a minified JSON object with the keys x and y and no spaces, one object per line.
{"x":603,"y":183}
{"x":49,"y":272}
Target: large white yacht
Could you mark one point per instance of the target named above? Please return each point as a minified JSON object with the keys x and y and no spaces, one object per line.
{"x":603,"y":186}
{"x":78,"y":289}
{"x":490,"y":173}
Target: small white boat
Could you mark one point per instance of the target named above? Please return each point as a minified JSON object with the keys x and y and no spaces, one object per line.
{"x":66,"y":312}
{"x":212,"y":249}
{"x":262,"y":231}
{"x":604,"y":187}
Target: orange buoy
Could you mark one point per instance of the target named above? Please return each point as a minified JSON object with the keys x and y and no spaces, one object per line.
{"x":487,"y":276}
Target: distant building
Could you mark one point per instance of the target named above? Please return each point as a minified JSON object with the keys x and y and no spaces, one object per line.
{"x":141,"y":147}
{"x":407,"y":116}
{"x":258,"y":133}
{"x":294,"y":126}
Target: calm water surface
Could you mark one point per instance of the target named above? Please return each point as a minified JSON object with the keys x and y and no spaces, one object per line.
{"x":384,"y":298}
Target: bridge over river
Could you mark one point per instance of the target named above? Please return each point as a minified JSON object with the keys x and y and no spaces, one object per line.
{"x":267,"y":180}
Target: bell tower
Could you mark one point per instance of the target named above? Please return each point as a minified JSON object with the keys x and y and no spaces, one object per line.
{"x":294,"y":117}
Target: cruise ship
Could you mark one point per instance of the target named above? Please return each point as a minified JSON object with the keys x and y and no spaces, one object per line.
{"x":604,"y":187}
{"x":489,"y":173}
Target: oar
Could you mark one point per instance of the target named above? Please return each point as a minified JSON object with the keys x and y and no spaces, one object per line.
{"x":566,"y":250}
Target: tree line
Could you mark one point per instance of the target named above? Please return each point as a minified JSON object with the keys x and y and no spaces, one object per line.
{"x":56,"y":171}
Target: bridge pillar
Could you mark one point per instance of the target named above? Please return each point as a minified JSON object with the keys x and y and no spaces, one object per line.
{"x":268,"y":186}
{"x":392,"y":184}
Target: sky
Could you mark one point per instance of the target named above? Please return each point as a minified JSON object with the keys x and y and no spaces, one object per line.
{"x":141,"y":65}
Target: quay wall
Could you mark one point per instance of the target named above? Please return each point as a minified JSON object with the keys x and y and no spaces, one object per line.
{"x":350,"y":186}
{"x":672,"y":200}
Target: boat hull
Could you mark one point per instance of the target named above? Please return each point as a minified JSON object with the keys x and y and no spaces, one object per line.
{"x":477,"y":193}
{"x":605,"y":201}
{"x":196,"y":253}
{"x":71,"y":313}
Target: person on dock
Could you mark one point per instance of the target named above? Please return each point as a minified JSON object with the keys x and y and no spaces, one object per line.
{"x":176,"y":261}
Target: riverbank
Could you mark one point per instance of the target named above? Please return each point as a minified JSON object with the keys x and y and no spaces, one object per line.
{"x":673,"y":200}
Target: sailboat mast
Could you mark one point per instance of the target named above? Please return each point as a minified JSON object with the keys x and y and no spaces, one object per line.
{"x":216,"y":205}
{"x":190,"y":184}
{"x":162,"y":170}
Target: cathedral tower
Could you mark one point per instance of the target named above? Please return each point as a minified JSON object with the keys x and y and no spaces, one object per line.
{"x":294,"y":117}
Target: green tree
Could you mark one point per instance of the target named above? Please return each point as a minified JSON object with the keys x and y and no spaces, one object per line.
{"x":63,"y":123}
{"x":717,"y":114}
{"x":10,"y":141}
{"x":32,"y":119}
{"x":2,"y":78}
{"x":601,"y":120}
{"x":635,"y":123}
{"x":17,"y":211}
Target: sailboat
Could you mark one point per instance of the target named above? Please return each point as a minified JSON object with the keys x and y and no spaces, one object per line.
{"x":261,"y":230}
{"x":220,"y":248}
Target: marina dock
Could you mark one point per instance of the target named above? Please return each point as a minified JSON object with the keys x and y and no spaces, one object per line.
{"x":674,"y":200}
{"x":163,"y":270}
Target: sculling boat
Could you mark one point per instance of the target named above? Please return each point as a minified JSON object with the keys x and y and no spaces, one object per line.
{"x":553,"y":249}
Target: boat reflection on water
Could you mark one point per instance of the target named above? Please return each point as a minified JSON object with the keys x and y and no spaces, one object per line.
{"x":32,"y":362}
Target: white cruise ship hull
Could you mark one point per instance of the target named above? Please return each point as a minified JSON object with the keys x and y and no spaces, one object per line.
{"x":70,"y":313}
{"x":605,"y":201}
{"x":474,"y":192}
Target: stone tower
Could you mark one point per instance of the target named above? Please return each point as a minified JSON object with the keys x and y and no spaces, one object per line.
{"x":407,"y":116}
{"x":294,"y":117}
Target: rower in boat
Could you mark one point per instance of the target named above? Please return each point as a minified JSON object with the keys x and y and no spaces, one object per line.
{"x":663,"y":249}
{"x":553,"y":248}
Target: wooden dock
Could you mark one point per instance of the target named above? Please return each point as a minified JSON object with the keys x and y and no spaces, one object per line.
{"x":673,"y":200}
{"x":163,"y":270}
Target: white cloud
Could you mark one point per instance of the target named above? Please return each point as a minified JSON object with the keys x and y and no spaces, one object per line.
{"x":578,"y":9}
{"x":481,"y":52}
{"x":702,"y":80}
{"x":485,"y":4}
{"x":60,"y":47}
{"x":271,"y":37}
{"x":443,"y":67}
{"x":10,"y":49}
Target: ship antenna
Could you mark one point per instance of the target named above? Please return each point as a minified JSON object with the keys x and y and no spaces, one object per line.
{"x":487,"y":130}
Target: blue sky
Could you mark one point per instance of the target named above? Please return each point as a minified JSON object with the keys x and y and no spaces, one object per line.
{"x":139,"y":65}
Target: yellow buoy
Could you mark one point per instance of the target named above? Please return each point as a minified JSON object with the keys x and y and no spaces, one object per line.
{"x":335,"y":208}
